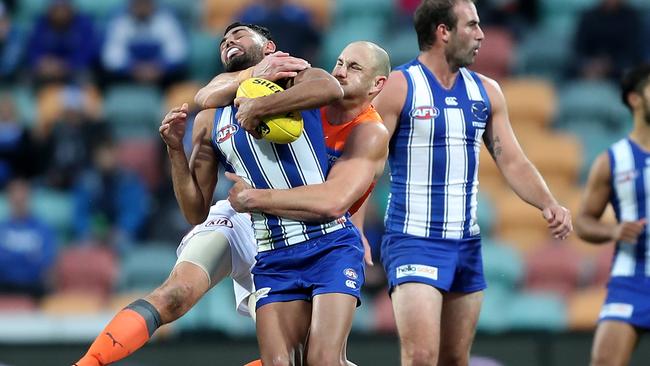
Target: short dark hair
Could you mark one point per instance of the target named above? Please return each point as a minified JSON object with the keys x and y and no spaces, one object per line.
{"x":634,"y":81}
{"x":262,"y":31}
{"x":429,"y":15}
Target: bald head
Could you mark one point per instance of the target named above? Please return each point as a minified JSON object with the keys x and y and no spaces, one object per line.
{"x":378,"y":56}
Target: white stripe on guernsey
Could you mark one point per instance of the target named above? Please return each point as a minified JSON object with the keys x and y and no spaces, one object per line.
{"x":474,"y":229}
{"x":407,"y":194}
{"x":420,"y":153}
{"x":260,"y":222}
{"x":276,"y":178}
{"x":625,"y":261}
{"x":646,"y":177}
{"x":473,"y":91}
{"x":456,"y":174}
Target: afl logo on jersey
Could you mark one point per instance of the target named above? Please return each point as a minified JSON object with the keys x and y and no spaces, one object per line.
{"x":480,"y":111}
{"x":424,"y":113}
{"x":350,"y":273}
{"x":226,"y":132}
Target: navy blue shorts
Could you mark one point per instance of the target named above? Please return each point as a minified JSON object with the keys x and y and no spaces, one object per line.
{"x":450,"y":265}
{"x":332,"y":263}
{"x":628,"y":300}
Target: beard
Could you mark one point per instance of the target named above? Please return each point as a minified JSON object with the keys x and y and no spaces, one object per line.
{"x":250,"y":58}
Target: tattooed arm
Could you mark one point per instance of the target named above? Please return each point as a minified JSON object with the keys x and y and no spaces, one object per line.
{"x":519,"y":172}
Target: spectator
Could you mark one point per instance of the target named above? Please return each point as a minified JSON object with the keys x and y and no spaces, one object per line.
{"x":290,"y":24}
{"x":27,"y":246}
{"x":68,"y":146}
{"x":63,"y":44}
{"x":608,"y":40}
{"x":17,"y":154}
{"x":111,"y":204}
{"x":145,"y":44}
{"x":10,"y":45}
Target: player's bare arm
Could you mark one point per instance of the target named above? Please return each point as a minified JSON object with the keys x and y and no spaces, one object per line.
{"x":390,"y":100}
{"x":193,"y":181}
{"x":221,"y":90}
{"x":362,"y":161}
{"x":589,"y":227}
{"x":312,"y":88}
{"x":519,"y":172}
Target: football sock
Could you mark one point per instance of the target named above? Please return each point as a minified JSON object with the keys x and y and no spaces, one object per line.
{"x":129,"y":330}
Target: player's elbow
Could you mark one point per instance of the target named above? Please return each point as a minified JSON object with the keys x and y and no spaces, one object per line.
{"x":333,"y":208}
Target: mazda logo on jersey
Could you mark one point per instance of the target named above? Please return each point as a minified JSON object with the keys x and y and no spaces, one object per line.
{"x":219,"y":221}
{"x":480,"y":111}
{"x":226,"y":132}
{"x":424,"y":113}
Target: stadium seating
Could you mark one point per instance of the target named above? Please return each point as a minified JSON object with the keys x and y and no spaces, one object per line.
{"x":204,"y":58}
{"x":536,"y":311}
{"x":596,"y":101}
{"x":16,"y":303}
{"x":142,"y":156}
{"x":146,"y":266}
{"x":133,"y":110}
{"x":544,"y":62}
{"x":217,"y":14}
{"x":531,"y":100}
{"x":502,"y":265}
{"x":181,"y":93}
{"x":86,"y":267}
{"x":553,"y":267}
{"x":496,"y":56}
{"x":74,"y":303}
{"x":584,"y":307}
{"x":55,"y":208}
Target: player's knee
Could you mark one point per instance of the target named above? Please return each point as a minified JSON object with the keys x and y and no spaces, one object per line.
{"x":321,"y":357}
{"x":174,"y":300}
{"x":420,"y":356}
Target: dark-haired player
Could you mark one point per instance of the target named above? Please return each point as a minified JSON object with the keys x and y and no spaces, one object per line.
{"x":621,"y":177}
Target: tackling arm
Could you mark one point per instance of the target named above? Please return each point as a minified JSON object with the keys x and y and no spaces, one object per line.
{"x":349,"y":178}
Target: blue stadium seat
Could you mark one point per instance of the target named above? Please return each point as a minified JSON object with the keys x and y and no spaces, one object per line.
{"x":536,"y":311}
{"x":546,"y":62}
{"x":55,"y":208}
{"x":204,"y":58}
{"x":25,"y":102}
{"x":365,"y":27}
{"x":502,"y":265}
{"x":594,"y":101}
{"x":133,"y":110}
{"x":146,"y":266}
{"x":401,"y":45}
{"x":28,"y":10}
{"x":493,"y":317}
{"x":350,"y":9}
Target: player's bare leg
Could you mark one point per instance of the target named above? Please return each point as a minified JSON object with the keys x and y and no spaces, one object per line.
{"x":613,"y":343}
{"x":331,"y":320}
{"x":460,"y":314}
{"x":132,"y":327}
{"x":417,"y":310}
{"x":282,"y":329}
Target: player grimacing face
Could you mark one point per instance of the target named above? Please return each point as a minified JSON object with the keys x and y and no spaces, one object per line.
{"x":241,"y":48}
{"x":354,"y":71}
{"x":466,"y":37}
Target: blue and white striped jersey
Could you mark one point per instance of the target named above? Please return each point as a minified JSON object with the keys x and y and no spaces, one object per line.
{"x":277,"y":166}
{"x":630,"y":167}
{"x":434,"y":155}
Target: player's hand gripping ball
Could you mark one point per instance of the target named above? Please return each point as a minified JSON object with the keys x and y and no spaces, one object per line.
{"x":280,"y":129}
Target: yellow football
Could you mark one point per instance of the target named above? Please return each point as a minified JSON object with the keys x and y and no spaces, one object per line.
{"x":282,"y":128}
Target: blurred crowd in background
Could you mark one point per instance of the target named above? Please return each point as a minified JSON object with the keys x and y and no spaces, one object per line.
{"x":88,"y":217}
